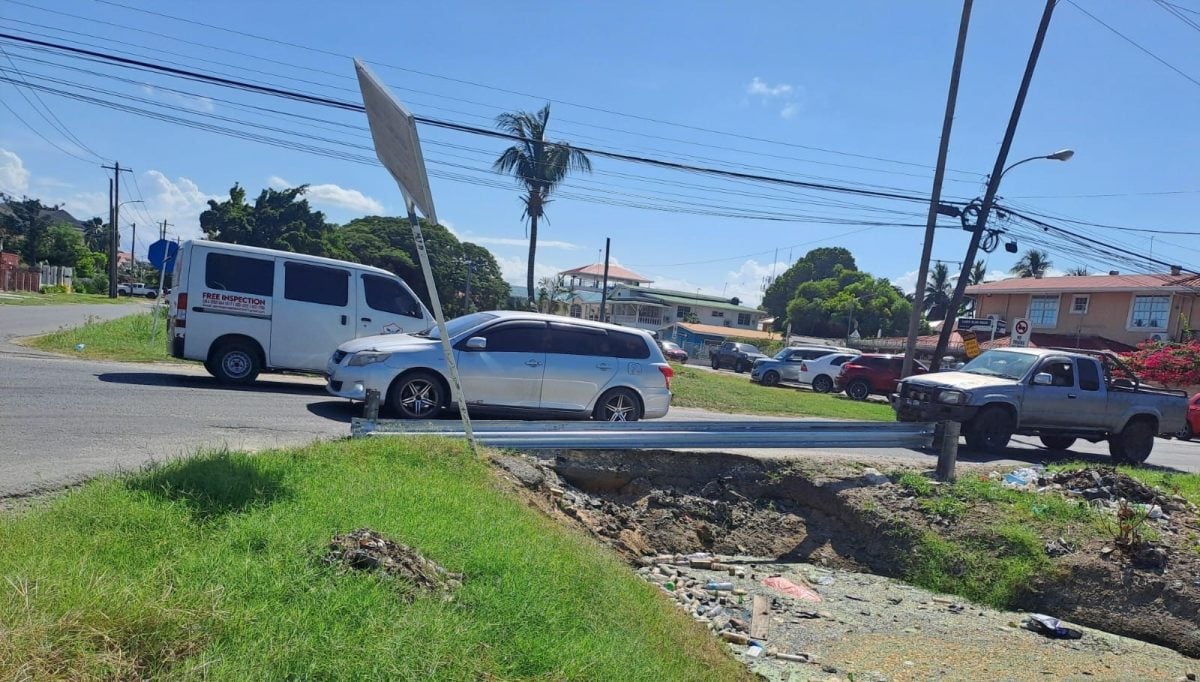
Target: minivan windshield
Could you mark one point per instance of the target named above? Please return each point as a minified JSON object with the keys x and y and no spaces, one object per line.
{"x":999,"y":363}
{"x":458,"y":325}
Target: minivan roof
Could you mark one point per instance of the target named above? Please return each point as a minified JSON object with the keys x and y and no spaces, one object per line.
{"x":294,"y":256}
{"x":520,"y":315}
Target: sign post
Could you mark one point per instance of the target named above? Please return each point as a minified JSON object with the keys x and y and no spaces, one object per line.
{"x":970,"y":344}
{"x":1020,"y":333}
{"x":161,"y":255}
{"x":399,"y":149}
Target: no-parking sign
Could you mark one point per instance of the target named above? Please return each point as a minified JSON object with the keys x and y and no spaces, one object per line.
{"x":1020,"y":335}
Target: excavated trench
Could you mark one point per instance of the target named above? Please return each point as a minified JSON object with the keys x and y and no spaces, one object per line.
{"x":667,"y":502}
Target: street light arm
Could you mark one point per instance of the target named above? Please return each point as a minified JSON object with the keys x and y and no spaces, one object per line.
{"x":1012,"y":166}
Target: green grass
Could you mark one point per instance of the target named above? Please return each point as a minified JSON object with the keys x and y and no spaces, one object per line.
{"x":125,"y":338}
{"x":30,"y":298}
{"x":694,"y":387}
{"x":208,"y":567}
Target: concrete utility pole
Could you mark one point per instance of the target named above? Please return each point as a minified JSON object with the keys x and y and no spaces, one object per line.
{"x":914,"y":320}
{"x":114,"y":233}
{"x":604,"y":287}
{"x":993,"y":186}
{"x":162,"y":233}
{"x":133,"y":247}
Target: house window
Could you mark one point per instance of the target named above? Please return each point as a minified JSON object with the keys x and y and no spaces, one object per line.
{"x":1043,"y":311}
{"x":743,"y":319}
{"x":1150,"y":312}
{"x":682,"y":312}
{"x":1079,"y":304}
{"x":576,"y":310}
{"x":718,"y":313}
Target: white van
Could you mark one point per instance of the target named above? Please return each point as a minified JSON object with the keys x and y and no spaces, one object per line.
{"x":242,"y":309}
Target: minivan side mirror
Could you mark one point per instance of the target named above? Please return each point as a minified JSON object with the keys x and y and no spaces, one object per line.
{"x":479,"y":343}
{"x":1043,"y":379}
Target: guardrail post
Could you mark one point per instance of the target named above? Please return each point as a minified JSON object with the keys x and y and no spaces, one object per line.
{"x":371,"y":408}
{"x":948,"y":455}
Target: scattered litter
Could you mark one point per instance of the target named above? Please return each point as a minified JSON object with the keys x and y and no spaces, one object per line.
{"x":826,"y":580}
{"x":755,"y":650}
{"x":873,"y":477}
{"x":719,"y":587}
{"x":1051,"y":627}
{"x":1025,"y":477}
{"x":79,"y":347}
{"x":367,"y":550}
{"x":735,"y":637}
{"x":782,"y":584}
{"x":1057,"y":548}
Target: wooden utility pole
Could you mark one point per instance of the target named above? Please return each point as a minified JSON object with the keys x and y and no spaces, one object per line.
{"x":914,"y":320}
{"x":604,"y":287}
{"x":993,"y":186}
{"x":114,"y":233}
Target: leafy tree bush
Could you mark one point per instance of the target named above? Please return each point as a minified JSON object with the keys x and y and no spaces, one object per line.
{"x":1169,"y":364}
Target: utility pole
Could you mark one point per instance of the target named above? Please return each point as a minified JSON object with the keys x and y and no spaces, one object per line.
{"x":114,"y":232}
{"x":914,"y":319}
{"x":604,"y":287}
{"x":162,"y":233}
{"x":993,"y":186}
{"x":133,"y":248}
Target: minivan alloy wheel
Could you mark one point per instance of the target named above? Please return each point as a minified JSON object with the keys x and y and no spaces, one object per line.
{"x":618,"y":406}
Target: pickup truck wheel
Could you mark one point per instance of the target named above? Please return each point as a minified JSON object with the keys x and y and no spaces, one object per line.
{"x":822,"y":384}
{"x":1058,"y":442}
{"x":716,"y":364}
{"x":859,"y":389}
{"x":1134,"y":443}
{"x":235,"y":362}
{"x":990,"y":430}
{"x":151,"y":294}
{"x":739,"y":366}
{"x":1186,"y":432}
{"x":770,"y":378}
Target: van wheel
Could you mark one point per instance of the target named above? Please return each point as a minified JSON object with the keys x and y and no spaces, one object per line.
{"x":618,"y":405}
{"x":1134,"y":443}
{"x":417,"y":396}
{"x":822,"y":384}
{"x":234,"y":362}
{"x":1057,"y":442}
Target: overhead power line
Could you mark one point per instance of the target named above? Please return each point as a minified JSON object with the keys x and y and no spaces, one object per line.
{"x":1135,"y":43}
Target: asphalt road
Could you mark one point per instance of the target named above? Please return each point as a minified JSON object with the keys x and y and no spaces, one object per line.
{"x":63,"y":420}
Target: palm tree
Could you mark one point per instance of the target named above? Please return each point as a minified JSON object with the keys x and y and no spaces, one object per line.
{"x":1033,"y":263}
{"x":978,"y":273}
{"x":938,"y":291}
{"x":539,"y":166}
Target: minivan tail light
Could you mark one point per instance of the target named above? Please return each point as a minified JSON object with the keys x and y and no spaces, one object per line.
{"x":181,"y":310}
{"x":667,"y":373}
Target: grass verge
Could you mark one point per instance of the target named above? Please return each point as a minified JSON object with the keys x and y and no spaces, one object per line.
{"x":125,"y":338}
{"x":695,"y":387}
{"x":207,"y":567}
{"x":33,"y":298}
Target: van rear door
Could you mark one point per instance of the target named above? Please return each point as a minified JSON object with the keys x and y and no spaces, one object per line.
{"x":313,"y":316}
{"x":387,"y":306}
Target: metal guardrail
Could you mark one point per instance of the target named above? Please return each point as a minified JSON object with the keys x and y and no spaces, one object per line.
{"x":590,"y":435}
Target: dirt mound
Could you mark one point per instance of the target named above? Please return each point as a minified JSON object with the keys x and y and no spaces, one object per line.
{"x":1110,"y":484}
{"x":367,"y":550}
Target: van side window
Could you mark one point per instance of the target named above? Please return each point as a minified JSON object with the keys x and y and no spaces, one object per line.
{"x":628,"y":346}
{"x":387,"y":295}
{"x":316,"y":284}
{"x":1089,"y":376}
{"x":572,"y":340}
{"x":224,"y":272}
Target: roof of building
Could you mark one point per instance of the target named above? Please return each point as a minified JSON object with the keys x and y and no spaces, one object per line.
{"x":614,"y":272}
{"x":726,"y":332}
{"x":1036,"y":340}
{"x":1082,"y":285}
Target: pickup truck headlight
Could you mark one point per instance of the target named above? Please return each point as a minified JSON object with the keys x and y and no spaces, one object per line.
{"x":952,"y":397}
{"x":368,"y":358}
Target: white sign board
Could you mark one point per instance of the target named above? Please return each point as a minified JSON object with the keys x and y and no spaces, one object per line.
{"x":1020,"y":333}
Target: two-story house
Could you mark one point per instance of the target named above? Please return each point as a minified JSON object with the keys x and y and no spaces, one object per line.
{"x":1127,"y":309}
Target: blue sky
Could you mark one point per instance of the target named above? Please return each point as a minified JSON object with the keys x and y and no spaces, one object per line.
{"x":847,"y":93}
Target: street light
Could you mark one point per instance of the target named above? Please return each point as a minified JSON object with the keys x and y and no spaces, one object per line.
{"x":1060,"y":155}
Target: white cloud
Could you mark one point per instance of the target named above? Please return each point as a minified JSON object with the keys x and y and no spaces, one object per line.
{"x":789,"y":110}
{"x":334,"y":195}
{"x":761,"y":88}
{"x":524,"y":243}
{"x":14,"y":177}
{"x":907,"y":281}
{"x":194,"y":102}
{"x":513,"y":269}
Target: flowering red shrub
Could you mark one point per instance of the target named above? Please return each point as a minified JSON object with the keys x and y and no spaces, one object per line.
{"x":1169,"y":364}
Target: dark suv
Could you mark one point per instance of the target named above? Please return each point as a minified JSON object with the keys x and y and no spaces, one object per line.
{"x":873,"y":374}
{"x":739,"y":356}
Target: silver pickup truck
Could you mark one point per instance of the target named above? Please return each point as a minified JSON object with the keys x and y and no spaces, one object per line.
{"x":1058,"y":395}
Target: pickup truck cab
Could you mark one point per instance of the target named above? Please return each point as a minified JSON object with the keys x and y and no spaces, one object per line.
{"x":136,"y":289}
{"x":1058,"y":395}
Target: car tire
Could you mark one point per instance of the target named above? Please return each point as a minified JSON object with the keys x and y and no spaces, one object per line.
{"x":1134,"y":443}
{"x":859,"y":389}
{"x":417,"y":395}
{"x":151,"y":294}
{"x":739,"y":366}
{"x":990,"y":430}
{"x":1057,"y":442}
{"x":618,"y":405}
{"x":770,"y":378}
{"x":822,"y":384}
{"x":1186,"y":433}
{"x":716,"y":364}
{"x":235,"y":362}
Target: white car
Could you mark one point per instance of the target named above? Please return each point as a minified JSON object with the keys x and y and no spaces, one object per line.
{"x":821,"y":372}
{"x":524,"y":364}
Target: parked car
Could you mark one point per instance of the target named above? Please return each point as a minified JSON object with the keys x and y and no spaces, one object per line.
{"x":1192,"y":426}
{"x":524,"y":364}
{"x":1058,"y":395}
{"x":821,"y":373}
{"x":136,"y":289}
{"x":873,"y":374}
{"x":738,"y":356}
{"x":787,"y":364}
{"x":673,"y":351}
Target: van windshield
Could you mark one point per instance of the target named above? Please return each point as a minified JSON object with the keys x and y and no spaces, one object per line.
{"x":458,"y":325}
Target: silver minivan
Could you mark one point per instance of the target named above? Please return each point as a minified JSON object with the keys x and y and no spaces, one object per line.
{"x":523,"y":364}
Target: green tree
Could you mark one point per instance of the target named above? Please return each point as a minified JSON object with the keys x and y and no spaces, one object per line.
{"x":978,"y":273}
{"x":539,"y":166}
{"x":95,"y":235}
{"x":1033,"y":263}
{"x":826,"y":307}
{"x":387,"y":242}
{"x":63,"y":245}
{"x":279,"y":219}
{"x":817,"y":264}
{"x":938,"y":290}
{"x":24,"y":227}
{"x":1081,"y":271}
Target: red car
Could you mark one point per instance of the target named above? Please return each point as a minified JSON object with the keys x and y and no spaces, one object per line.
{"x":873,"y":374}
{"x":673,"y":351}
{"x":1192,"y":426}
